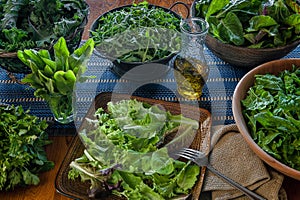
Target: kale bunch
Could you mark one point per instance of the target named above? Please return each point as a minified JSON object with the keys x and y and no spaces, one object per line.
{"x":38,"y":23}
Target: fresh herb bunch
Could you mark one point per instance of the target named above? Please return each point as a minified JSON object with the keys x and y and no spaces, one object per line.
{"x":38,"y":23}
{"x":123,"y":154}
{"x":253,"y":24}
{"x":22,"y":154}
{"x":137,"y":33}
{"x":272,"y":109}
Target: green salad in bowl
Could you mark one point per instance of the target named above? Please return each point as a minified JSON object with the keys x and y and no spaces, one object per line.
{"x":265,"y":106}
{"x":248,"y":33}
{"x":253,"y":24}
{"x":136,"y":34}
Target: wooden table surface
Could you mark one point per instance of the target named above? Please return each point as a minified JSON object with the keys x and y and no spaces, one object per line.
{"x":58,"y":149}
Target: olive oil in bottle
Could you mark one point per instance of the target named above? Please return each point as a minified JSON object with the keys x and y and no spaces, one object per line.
{"x":190,"y":67}
{"x":191,"y":76}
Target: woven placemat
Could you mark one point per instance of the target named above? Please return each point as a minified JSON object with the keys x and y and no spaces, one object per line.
{"x":78,"y":190}
{"x":216,"y":98}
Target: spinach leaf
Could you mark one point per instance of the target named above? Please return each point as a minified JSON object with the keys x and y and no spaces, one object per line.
{"x":255,"y":24}
{"x":258,"y":22}
{"x":232,"y":29}
{"x":215,"y":6}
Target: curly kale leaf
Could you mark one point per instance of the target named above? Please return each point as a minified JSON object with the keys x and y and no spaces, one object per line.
{"x":11,"y":13}
{"x":16,"y":39}
{"x":61,"y":18}
{"x":28,"y":24}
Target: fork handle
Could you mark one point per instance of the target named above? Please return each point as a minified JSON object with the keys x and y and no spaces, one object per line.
{"x":252,"y":195}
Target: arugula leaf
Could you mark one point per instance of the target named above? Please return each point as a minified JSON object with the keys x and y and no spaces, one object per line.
{"x":272,"y":108}
{"x":137,"y":33}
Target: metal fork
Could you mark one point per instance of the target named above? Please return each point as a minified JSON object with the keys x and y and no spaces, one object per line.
{"x":202,"y":160}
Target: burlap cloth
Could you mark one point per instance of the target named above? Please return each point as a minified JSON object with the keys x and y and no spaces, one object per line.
{"x":231,"y":155}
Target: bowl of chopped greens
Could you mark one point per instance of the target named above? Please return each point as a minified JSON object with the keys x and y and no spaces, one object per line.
{"x":247,"y":34}
{"x":137,"y":34}
{"x":38,"y":24}
{"x":266,"y":106}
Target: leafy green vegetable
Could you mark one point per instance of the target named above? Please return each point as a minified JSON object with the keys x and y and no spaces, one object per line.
{"x":22,"y":141}
{"x":54,"y":79}
{"x":124,"y":154}
{"x":272,"y":108}
{"x":253,"y":24}
{"x":28,"y":24}
{"x":137,"y":33}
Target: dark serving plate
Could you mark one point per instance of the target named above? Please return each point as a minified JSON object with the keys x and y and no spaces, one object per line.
{"x":79,"y":190}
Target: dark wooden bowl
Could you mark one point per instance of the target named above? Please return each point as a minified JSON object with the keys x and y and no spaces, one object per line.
{"x":242,"y":56}
{"x":247,"y":57}
{"x":273,"y":67}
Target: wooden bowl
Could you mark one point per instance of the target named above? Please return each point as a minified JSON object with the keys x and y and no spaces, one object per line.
{"x":247,"y":57}
{"x":273,"y":67}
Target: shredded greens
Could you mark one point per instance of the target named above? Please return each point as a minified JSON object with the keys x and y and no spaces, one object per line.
{"x":255,"y":23}
{"x":22,"y":154}
{"x":272,"y":109}
{"x":137,"y":33}
{"x":123,"y":156}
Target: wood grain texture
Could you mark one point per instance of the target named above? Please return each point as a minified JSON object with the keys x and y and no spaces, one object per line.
{"x":58,"y":149}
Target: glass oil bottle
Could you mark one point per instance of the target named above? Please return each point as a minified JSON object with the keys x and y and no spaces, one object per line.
{"x":190,"y":67}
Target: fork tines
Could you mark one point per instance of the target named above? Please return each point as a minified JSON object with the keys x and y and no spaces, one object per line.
{"x":188,"y":153}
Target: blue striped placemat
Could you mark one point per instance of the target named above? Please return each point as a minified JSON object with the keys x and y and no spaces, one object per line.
{"x":216,"y":97}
